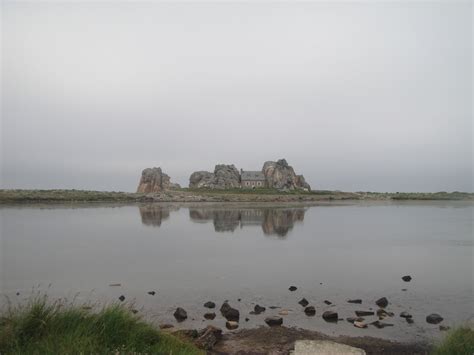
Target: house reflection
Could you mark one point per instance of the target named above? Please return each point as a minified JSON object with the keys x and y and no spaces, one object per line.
{"x":274,"y":221}
{"x":153,"y":215}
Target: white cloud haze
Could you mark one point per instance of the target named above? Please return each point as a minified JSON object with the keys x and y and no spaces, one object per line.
{"x":356,"y":96}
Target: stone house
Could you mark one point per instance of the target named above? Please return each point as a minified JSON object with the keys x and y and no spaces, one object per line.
{"x":252,"y":179}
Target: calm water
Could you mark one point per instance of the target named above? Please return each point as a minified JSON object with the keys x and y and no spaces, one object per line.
{"x":190,"y":254}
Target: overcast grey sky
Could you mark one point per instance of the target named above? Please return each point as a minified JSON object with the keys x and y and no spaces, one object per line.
{"x":356,"y":96}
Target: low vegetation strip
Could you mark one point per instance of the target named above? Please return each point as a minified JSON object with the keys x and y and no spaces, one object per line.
{"x":459,"y":341}
{"x":55,"y":328}
{"x":215,"y":195}
{"x":7,"y":196}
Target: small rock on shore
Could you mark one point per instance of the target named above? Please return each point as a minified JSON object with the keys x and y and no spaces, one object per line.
{"x":330,"y":316}
{"x":180,"y":314}
{"x":274,"y":321}
{"x":210,"y":304}
{"x":229,"y":313}
{"x":382,"y":302}
{"x":304,"y":302}
{"x":364,"y":313}
{"x":231,"y":325}
{"x":310,"y":311}
{"x":210,"y":316}
{"x":258,"y":309}
{"x":357,"y":300}
{"x":434,"y":318}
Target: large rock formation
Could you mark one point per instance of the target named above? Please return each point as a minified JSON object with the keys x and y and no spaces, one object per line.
{"x":155,"y":180}
{"x":280,"y":175}
{"x":224,"y":177}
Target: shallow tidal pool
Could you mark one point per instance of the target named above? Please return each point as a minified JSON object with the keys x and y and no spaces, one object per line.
{"x":249,"y":254}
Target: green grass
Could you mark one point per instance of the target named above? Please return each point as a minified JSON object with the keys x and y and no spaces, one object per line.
{"x":432,"y":196}
{"x":459,"y":341}
{"x":41,"y":327}
{"x":258,"y":191}
{"x":7,"y":196}
{"x":72,"y":196}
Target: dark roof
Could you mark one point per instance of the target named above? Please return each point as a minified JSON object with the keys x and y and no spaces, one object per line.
{"x":252,"y":175}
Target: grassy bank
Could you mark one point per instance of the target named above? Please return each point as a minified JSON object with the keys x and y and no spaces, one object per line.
{"x":216,"y":195}
{"x":59,"y":196}
{"x":459,"y":341}
{"x":54,"y":328}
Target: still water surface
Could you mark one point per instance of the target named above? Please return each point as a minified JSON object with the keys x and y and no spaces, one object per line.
{"x":190,"y":254}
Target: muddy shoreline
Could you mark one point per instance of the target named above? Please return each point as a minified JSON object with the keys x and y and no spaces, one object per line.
{"x":281,"y":340}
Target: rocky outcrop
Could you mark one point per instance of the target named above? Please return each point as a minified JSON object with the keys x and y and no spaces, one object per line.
{"x":279,"y":175}
{"x":200,"y":179}
{"x":301,"y":183}
{"x":224,"y":177}
{"x":155,"y":180}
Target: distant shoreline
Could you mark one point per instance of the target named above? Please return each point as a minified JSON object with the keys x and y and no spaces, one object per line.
{"x":207,"y":195}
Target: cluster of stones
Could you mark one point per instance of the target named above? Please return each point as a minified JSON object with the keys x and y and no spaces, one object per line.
{"x":208,"y":337}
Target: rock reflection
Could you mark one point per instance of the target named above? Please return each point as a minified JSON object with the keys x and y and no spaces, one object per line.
{"x":274,"y":221}
{"x":153,"y":215}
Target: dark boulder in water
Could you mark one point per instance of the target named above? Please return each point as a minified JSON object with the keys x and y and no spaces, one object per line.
{"x":304,"y":302}
{"x":434,"y":318}
{"x":406,"y":278}
{"x":292,"y":288}
{"x":258,"y":309}
{"x":330,"y":316}
{"x":382,"y":302}
{"x":364,"y":313}
{"x":180,"y":314}
{"x":210,"y":304}
{"x":210,"y":315}
{"x":310,"y":311}
{"x":357,"y":300}
{"x":274,"y":321}
{"x":122,"y":298}
{"x":229,"y":313}
{"x":327,"y":302}
{"x":380,"y":325}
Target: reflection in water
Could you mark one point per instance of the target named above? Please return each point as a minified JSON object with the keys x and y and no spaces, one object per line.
{"x":274,"y":221}
{"x":153,"y":215}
